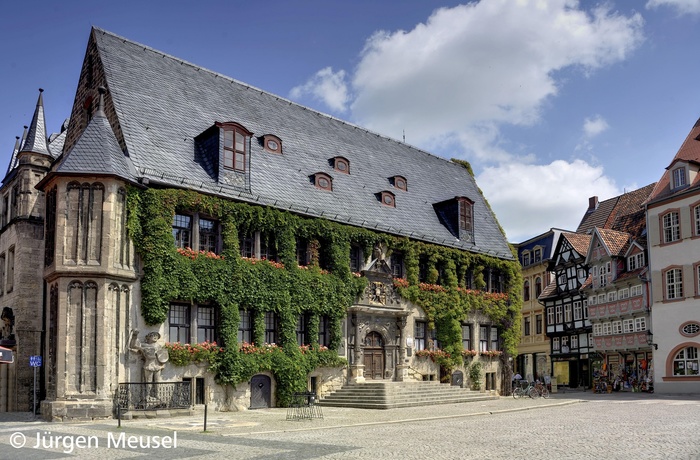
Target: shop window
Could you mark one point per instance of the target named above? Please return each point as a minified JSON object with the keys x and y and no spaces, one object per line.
{"x":686,"y":362}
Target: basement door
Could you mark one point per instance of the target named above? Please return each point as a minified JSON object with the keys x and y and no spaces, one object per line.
{"x":260,"y":392}
{"x":374,"y":356}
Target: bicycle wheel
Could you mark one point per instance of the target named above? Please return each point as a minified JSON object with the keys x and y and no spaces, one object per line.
{"x":517,"y":393}
{"x":545,"y":393}
{"x":533,"y":393}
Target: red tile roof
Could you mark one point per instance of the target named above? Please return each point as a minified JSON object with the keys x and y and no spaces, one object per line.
{"x":616,"y":242}
{"x":690,"y":152}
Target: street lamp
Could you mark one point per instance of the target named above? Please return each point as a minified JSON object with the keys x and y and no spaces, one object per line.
{"x":650,"y":340}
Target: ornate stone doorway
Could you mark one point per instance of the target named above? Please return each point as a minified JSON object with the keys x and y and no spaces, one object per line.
{"x":373,"y":352}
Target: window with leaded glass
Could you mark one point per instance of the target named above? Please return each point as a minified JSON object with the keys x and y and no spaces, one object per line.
{"x":247,"y":245}
{"x":179,"y":323}
{"x":466,"y":336}
{"x":245,"y":327}
{"x":397,"y":264}
{"x":420,"y":335}
{"x":182,"y":230}
{"x":324,"y":331}
{"x":206,"y":324}
{"x":270,"y":327}
{"x":208,"y":235}
{"x":302,"y":325}
{"x":355,"y":259}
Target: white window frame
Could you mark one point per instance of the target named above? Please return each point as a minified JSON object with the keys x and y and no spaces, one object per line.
{"x":597,"y":329}
{"x":640,"y":324}
{"x":601,"y":298}
{"x":607,"y":328}
{"x":592,"y":300}
{"x":617,"y":327}
{"x":671,"y":224}
{"x":550,"y":315}
{"x":627,"y":325}
{"x":674,"y":284}
{"x":612,"y":296}
{"x":559,"y":314}
{"x":636,"y":290}
{"x":680,"y":177}
{"x":574,"y":341}
{"x":578,"y":311}
{"x":623,"y":294}
{"x":555,"y":344}
{"x":689,"y":358}
{"x":567,"y":313}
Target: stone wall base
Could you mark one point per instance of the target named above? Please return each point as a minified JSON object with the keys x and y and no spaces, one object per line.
{"x":76,"y":410}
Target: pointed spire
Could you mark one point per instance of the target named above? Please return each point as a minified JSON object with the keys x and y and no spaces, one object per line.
{"x":36,"y":136}
{"x":24,"y":137}
{"x":17,"y":144}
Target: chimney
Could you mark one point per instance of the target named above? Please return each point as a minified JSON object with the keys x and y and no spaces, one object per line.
{"x":592,"y":203}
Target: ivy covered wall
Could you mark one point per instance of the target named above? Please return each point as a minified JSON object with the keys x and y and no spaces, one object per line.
{"x":232,"y":282}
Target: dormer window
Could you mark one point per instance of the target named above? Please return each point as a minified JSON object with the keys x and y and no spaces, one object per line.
{"x":323,"y":181}
{"x":400,"y":183}
{"x":272,"y":143}
{"x":341,"y":164}
{"x":236,"y":142}
{"x":465,"y":214}
{"x":679,"y":177}
{"x":387,"y":198}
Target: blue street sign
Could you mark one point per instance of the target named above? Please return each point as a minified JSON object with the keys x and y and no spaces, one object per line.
{"x":35,"y":361}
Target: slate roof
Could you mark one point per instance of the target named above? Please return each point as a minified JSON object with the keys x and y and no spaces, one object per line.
{"x":163,"y":103}
{"x":97,"y":151}
{"x":690,"y":152}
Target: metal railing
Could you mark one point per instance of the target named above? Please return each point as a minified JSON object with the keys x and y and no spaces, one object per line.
{"x":152,"y":396}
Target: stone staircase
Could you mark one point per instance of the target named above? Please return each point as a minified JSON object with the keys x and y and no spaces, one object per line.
{"x":391,"y":395}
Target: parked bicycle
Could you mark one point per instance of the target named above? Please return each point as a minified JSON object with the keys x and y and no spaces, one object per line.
{"x":525,"y":389}
{"x":540,"y":390}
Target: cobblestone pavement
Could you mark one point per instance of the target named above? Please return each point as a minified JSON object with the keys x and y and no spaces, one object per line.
{"x":567,"y":426}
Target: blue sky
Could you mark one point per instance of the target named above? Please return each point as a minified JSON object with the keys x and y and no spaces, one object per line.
{"x":551,"y":101}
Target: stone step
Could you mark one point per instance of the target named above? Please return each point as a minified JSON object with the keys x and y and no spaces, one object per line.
{"x":388,"y":395}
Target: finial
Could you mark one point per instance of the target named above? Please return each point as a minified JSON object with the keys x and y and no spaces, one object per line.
{"x":100,"y":107}
{"x":41,"y":90}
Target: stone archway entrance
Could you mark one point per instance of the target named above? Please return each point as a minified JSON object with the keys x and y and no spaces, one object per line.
{"x":373,"y":352}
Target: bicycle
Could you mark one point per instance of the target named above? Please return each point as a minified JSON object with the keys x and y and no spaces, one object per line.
{"x":541,"y":390}
{"x":528,"y":390}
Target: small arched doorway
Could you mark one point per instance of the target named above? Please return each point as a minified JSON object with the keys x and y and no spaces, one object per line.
{"x":374,"y":356}
{"x":260,"y":392}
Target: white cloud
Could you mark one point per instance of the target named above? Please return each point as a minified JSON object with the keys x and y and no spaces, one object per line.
{"x":682,"y":6}
{"x":477,"y":66}
{"x":326,"y":86}
{"x":530,"y":199}
{"x":594,"y":126}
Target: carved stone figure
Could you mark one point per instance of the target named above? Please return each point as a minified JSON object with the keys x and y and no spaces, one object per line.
{"x":153,"y":354}
{"x":8,"y":318}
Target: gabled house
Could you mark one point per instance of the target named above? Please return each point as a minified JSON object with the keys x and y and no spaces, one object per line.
{"x":618,"y":309}
{"x":569,"y":326}
{"x":534,"y":350}
{"x":673,"y":221}
{"x":217,"y":241}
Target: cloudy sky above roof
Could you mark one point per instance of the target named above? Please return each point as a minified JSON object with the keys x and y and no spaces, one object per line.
{"x":550,"y":101}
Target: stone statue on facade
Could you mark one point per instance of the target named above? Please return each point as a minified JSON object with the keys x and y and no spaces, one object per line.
{"x":154,"y":355}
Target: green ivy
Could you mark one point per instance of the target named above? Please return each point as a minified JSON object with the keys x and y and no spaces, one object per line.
{"x":233,"y":283}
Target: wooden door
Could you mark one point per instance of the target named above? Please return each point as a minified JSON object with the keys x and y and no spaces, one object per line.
{"x":260,"y":392}
{"x":374,"y":356}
